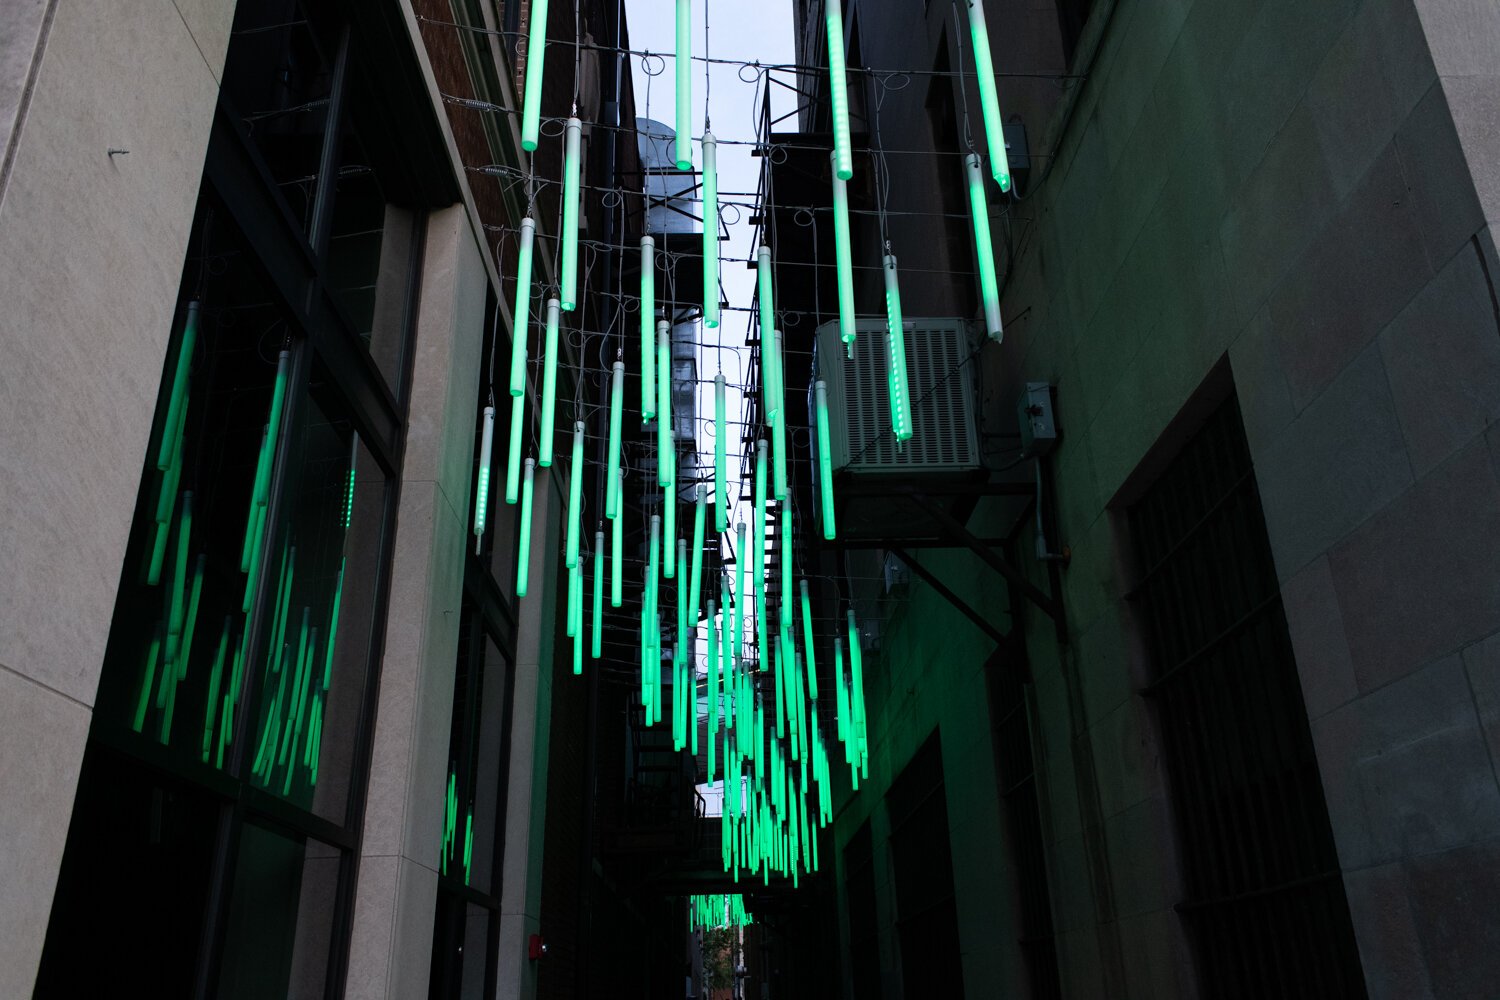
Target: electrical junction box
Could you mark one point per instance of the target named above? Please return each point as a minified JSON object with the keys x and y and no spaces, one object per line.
{"x":1034,"y":413}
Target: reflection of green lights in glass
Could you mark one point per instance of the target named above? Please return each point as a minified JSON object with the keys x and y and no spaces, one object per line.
{"x":523,"y":550}
{"x":843,"y":157}
{"x":179,"y":577}
{"x":616,"y":409}
{"x":825,"y":458}
{"x":721,"y":462}
{"x":895,"y":352}
{"x":575,"y":497}
{"x":843,"y":256}
{"x":148,"y":678}
{"x":177,"y":401}
{"x":513,"y":460}
{"x":536,"y":52}
{"x":648,"y":328}
{"x":260,"y":491}
{"x":710,"y":232}
{"x":684,"y":72}
{"x":468,"y":844}
{"x":549,"y":386}
{"x":333,"y":628}
{"x":573,"y":137}
{"x":984,"y":248}
{"x":482,"y":487}
{"x":989,"y":98}
{"x":215,"y":677}
{"x":807,"y":639}
{"x":521,"y":316}
{"x":596,"y":649}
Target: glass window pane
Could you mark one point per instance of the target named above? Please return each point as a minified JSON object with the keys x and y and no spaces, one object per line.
{"x":281,"y":914}
{"x":319,"y":606}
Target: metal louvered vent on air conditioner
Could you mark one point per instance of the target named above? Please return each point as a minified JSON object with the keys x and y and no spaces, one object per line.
{"x":940,"y":387}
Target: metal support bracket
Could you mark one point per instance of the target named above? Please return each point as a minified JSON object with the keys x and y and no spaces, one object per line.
{"x":958,"y":602}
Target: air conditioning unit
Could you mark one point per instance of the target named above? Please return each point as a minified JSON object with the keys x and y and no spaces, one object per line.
{"x":940,"y":380}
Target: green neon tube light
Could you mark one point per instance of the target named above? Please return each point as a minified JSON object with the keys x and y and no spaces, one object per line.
{"x":482,"y":488}
{"x":739,"y":591}
{"x":825,"y":459}
{"x":214,"y":679}
{"x":989,"y":98}
{"x":267,"y":459}
{"x":536,"y":53}
{"x":648,"y":328}
{"x":807,"y":640}
{"x":772,"y":389}
{"x":653,"y":569}
{"x":778,"y":435}
{"x":178,"y":399}
{"x":513,"y":460}
{"x":669,"y":511}
{"x":840,"y":696}
{"x":895,"y":350}
{"x":520,"y":320}
{"x":779,"y":680}
{"x":695,"y":585}
{"x":682,"y":595}
{"x":786,"y":565}
{"x":573,"y":137}
{"x":616,"y":411}
{"x":760,"y":510}
{"x":843,"y":157}
{"x":721,"y":461}
{"x":713,"y":671}
{"x":596,"y":650}
{"x":765,"y":295}
{"x":571,"y":623}
{"x":549,"y":386}
{"x":843,"y":257}
{"x":984,"y":248}
{"x":617,"y":556}
{"x":684,"y":67}
{"x":148,"y":679}
{"x":710,"y":232}
{"x":575,"y":496}
{"x":333,"y":628}
{"x":523,"y":551}
{"x":664,"y":428}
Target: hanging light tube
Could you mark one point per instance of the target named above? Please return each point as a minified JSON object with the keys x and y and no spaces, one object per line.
{"x":513,"y":460}
{"x":739,"y":590}
{"x":577,"y":572}
{"x":760,"y":511}
{"x":536,"y":52}
{"x":482,"y":488}
{"x":989,"y":98}
{"x":649,"y":326}
{"x":895,"y":351}
{"x":772,"y":389}
{"x":617,"y":556}
{"x":844,"y":260}
{"x":807,"y":641}
{"x":549,"y":386}
{"x":682,"y":594}
{"x":765,"y":295}
{"x":695,"y":584}
{"x":573,"y":137}
{"x":778,"y":435}
{"x":721,"y":462}
{"x":825,"y":459}
{"x":684,"y":67}
{"x":520,"y":320}
{"x":710,"y":232}
{"x":785,"y":540}
{"x":596,"y":649}
{"x":984,"y":248}
{"x":523,"y":551}
{"x":664,"y":429}
{"x":616,"y":410}
{"x":840,"y":696}
{"x":843,"y":157}
{"x":573,"y":595}
{"x":575,"y":496}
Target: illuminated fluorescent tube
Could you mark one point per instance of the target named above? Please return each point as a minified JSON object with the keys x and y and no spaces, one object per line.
{"x":617,"y":556}
{"x":721,"y":462}
{"x":482,"y":489}
{"x":575,"y":497}
{"x":684,"y":67}
{"x":825,"y":459}
{"x":984,"y":248}
{"x":616,"y":410}
{"x":844,"y":261}
{"x":523,"y":551}
{"x":597,"y":638}
{"x":695,"y":592}
{"x":513,"y":460}
{"x":520,"y":320}
{"x":843,"y":158}
{"x":807,"y":639}
{"x":573,"y":596}
{"x":573,"y":137}
{"x":989,"y":98}
{"x":178,"y":399}
{"x":536,"y":52}
{"x":664,"y":467}
{"x":773,"y":386}
{"x":895,"y":350}
{"x":549,"y":386}
{"x":648,"y":328}
{"x":739,"y":590}
{"x":710,"y":233}
{"x":785,"y":538}
{"x":764,"y":295}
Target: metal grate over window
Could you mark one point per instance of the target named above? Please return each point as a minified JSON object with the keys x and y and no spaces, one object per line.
{"x":1265,"y":904}
{"x":864,"y":932}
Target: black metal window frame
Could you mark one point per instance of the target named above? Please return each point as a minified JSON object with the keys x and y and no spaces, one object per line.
{"x":1265,"y":910}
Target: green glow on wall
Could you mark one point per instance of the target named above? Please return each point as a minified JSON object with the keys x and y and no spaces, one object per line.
{"x":807,"y":639}
{"x":523,"y":550}
{"x":549,"y":387}
{"x":895,"y":352}
{"x":710,"y":232}
{"x":664,"y":432}
{"x":825,"y":459}
{"x":177,"y":400}
{"x":843,"y":257}
{"x":482,"y":487}
{"x":684,"y":68}
{"x":984,"y":248}
{"x":721,"y":462}
{"x":572,"y":138}
{"x":520,"y":320}
{"x":843,"y":157}
{"x":695,"y":585}
{"x":616,"y":409}
{"x":513,"y":460}
{"x":649,"y":326}
{"x":575,"y":498}
{"x":617,"y":556}
{"x":536,"y":52}
{"x":989,"y":98}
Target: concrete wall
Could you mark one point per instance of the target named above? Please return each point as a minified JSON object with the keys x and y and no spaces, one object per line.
{"x":83,"y":360}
